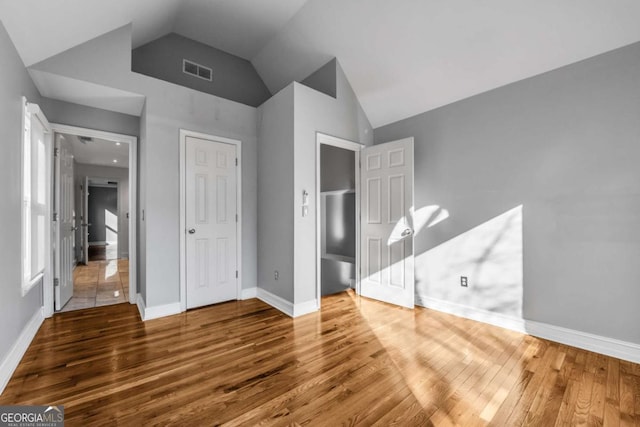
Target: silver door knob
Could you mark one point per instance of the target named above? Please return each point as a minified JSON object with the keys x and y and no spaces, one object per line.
{"x":406,"y":232}
{"x":74,"y":228}
{"x":192,"y":231}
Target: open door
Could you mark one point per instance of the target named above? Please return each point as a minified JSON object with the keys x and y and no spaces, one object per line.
{"x":64,"y":223}
{"x":386,"y":226}
{"x":84,"y":221}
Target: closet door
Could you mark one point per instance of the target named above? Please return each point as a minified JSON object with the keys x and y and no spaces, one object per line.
{"x":386,"y":243}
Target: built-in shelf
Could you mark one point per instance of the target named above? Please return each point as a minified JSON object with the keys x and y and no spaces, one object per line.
{"x":341,"y":258}
{"x":337,"y":192}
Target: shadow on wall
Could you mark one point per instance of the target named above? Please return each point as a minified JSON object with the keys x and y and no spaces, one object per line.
{"x":490,"y":255}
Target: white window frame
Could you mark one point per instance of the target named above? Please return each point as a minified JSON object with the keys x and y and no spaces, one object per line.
{"x":30,"y":279}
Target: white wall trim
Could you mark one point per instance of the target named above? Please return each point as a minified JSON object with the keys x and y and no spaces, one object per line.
{"x":303,"y":308}
{"x":141,"y":305}
{"x":477,"y":314}
{"x":608,"y":346}
{"x":183,"y":214}
{"x":586,"y":341}
{"x":287,"y":307}
{"x":19,"y":348}
{"x":249,"y":293}
{"x":158,"y":311}
{"x":275,"y":301}
{"x":132,"y":141}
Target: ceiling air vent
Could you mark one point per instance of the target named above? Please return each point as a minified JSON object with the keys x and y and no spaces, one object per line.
{"x":197,"y":70}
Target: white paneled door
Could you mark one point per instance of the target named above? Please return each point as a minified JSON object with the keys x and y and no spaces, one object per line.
{"x":386,"y":243}
{"x":64,"y":222}
{"x":211,"y":222}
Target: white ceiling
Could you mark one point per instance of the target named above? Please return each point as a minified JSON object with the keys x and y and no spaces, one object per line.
{"x":99,"y":152}
{"x":409,"y":56}
{"x":402,"y":57}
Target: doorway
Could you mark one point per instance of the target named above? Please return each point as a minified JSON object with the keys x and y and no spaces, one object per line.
{"x":210,"y":220}
{"x":338,"y":226}
{"x":365,"y":238}
{"x":95,"y":195}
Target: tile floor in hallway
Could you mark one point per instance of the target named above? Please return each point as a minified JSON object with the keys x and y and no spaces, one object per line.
{"x":99,"y":283}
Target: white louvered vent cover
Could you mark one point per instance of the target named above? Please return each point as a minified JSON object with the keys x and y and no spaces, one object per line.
{"x":197,"y":70}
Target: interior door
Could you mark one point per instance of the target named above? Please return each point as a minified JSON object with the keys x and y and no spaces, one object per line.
{"x":65,"y":223}
{"x":386,"y":226}
{"x":84,"y":221}
{"x":211,"y":219}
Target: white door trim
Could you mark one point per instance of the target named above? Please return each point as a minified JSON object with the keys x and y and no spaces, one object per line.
{"x":133,"y":207}
{"x":324,"y":139}
{"x":184,"y":133}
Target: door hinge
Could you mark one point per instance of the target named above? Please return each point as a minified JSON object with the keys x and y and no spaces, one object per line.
{"x":56,"y":152}
{"x":55,"y":216}
{"x":236,"y":217}
{"x":236,"y":274}
{"x":56,"y":282}
{"x":236,"y":161}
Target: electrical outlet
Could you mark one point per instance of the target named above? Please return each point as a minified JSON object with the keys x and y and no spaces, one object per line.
{"x":464,"y":282}
{"x":276,"y":275}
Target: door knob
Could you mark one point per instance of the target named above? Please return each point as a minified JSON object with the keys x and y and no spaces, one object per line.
{"x":192,"y":231}
{"x":406,"y":232}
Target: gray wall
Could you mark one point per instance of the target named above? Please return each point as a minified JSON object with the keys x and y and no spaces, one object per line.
{"x":67,"y":113}
{"x":275,"y":194}
{"x":15,"y":309}
{"x":324,"y":79}
{"x":106,"y":60}
{"x":101,"y":199}
{"x":565,"y":147}
{"x":122,"y":176}
{"x":234,"y":78}
{"x":317,"y":112}
{"x":337,"y":168}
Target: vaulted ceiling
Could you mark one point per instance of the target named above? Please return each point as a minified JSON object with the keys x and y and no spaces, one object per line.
{"x":402,"y":57}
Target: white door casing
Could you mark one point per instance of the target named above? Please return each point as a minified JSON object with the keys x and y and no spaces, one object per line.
{"x":65,"y":224}
{"x":211,"y":221}
{"x":386,"y":244}
{"x":84,"y":221}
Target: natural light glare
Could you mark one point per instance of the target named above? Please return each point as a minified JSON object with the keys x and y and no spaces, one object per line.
{"x":111,"y":269}
{"x":111,"y":226}
{"x":489,"y":255}
{"x":40,"y":171}
{"x":427,"y":216}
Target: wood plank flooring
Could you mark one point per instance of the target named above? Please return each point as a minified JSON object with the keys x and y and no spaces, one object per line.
{"x":358,"y":362}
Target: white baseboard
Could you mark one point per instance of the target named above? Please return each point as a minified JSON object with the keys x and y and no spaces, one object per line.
{"x":13,"y":357}
{"x":249,"y":293}
{"x":303,"y":308}
{"x":484,"y":316}
{"x":155,"y":312}
{"x":288,"y":308}
{"x":608,"y":346}
{"x":598,"y":344}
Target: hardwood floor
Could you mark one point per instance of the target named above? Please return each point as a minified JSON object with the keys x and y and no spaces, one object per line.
{"x":356,"y":362}
{"x":99,"y":283}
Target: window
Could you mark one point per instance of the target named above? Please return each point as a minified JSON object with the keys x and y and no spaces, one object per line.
{"x":34,"y":196}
